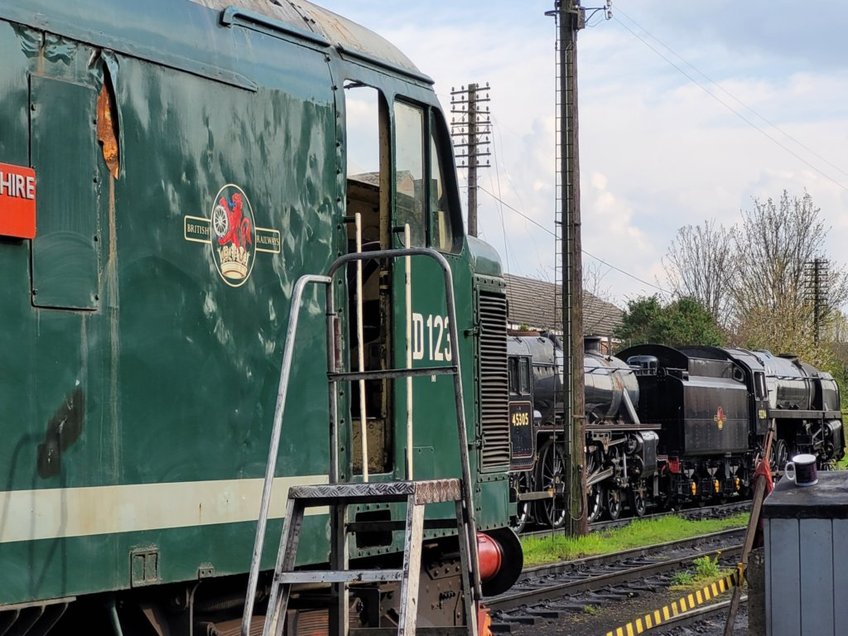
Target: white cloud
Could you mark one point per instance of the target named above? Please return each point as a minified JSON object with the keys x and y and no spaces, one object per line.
{"x":657,"y":150}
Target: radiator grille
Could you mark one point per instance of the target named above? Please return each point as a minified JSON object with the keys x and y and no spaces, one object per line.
{"x":494,"y":380}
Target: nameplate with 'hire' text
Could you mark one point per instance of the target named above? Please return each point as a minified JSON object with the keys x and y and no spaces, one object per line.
{"x":17,"y":201}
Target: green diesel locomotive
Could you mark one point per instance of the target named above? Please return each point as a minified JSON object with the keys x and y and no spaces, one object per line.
{"x":169,"y":170}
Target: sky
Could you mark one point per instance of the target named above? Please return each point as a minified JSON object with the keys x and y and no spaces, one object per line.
{"x":689,"y":110}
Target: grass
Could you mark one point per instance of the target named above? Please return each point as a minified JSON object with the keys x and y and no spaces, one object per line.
{"x":639,"y":533}
{"x":707,"y":571}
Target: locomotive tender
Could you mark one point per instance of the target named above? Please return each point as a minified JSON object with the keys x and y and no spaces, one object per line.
{"x":168,"y":171}
{"x":665,"y":426}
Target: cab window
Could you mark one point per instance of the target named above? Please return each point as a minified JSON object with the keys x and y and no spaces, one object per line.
{"x":423,"y":180}
{"x":409,"y":171}
{"x":443,"y":234}
{"x":524,"y":376}
{"x":513,"y":375}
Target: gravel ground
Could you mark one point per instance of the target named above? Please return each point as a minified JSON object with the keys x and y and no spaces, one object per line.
{"x":608,"y":614}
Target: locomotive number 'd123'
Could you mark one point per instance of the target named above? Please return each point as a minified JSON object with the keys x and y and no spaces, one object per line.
{"x":431,"y":338}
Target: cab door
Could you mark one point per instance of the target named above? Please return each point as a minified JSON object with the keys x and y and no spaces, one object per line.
{"x":401,"y":186}
{"x":425,"y":215}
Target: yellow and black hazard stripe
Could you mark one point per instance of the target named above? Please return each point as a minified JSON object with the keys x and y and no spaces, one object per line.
{"x":675,"y":608}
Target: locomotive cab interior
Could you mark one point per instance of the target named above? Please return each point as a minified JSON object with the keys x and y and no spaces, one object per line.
{"x":368,"y":191}
{"x":397,"y":178}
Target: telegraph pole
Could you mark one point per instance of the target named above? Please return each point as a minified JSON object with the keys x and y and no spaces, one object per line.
{"x":816,"y":290}
{"x":571,"y":20}
{"x":570,"y":17}
{"x":471,"y":132}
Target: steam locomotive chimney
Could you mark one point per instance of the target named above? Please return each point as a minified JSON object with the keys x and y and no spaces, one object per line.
{"x":592,"y":344}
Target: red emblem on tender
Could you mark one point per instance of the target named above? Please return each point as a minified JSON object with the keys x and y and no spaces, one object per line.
{"x":719,"y":418}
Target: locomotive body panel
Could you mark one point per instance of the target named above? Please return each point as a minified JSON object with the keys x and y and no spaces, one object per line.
{"x":714,"y":417}
{"x":139,"y":374}
{"x":788,"y":383}
{"x":190,"y":164}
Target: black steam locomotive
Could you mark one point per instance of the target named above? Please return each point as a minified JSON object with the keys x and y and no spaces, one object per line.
{"x":664,"y":426}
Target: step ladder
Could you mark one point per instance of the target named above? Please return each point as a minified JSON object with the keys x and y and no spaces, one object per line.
{"x":338,"y":496}
{"x":417,"y":495}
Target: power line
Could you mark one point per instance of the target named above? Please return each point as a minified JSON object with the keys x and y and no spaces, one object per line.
{"x":600,"y":260}
{"x":729,"y":107}
{"x":739,"y":101}
{"x":733,"y":97}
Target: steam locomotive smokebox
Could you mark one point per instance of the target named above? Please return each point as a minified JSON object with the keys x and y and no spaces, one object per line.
{"x":806,"y":581}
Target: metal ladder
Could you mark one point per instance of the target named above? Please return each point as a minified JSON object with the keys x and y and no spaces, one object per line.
{"x":338,"y":496}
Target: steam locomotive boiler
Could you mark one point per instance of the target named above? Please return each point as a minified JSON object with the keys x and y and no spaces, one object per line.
{"x":620,"y":450}
{"x":664,"y":426}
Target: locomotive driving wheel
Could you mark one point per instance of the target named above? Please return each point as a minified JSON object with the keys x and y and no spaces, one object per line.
{"x":637,"y":502}
{"x":550,"y":476}
{"x":779,"y":455}
{"x":614,"y":503}
{"x":595,"y":503}
{"x":521,"y":484}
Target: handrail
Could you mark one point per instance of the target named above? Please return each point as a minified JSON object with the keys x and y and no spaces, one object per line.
{"x":271,"y":466}
{"x":285,"y":372}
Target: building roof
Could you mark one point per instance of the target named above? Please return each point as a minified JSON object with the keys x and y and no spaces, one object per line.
{"x":533,"y":303}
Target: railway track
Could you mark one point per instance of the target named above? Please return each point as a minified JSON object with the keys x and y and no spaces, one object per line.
{"x":551,"y":591}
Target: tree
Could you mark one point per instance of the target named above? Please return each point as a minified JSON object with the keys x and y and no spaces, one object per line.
{"x":772,"y":306}
{"x":642,"y":321}
{"x":699,"y":265}
{"x":682,"y":322}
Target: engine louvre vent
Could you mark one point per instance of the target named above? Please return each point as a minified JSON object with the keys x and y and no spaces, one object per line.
{"x":494,"y":380}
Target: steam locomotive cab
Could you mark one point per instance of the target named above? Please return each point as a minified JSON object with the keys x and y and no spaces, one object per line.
{"x":804,"y":404}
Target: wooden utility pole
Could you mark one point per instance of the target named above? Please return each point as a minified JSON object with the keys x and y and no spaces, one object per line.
{"x":816,"y":292}
{"x":471,"y":132}
{"x":571,"y":19}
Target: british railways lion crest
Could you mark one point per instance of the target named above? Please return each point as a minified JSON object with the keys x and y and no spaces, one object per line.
{"x":235,"y":235}
{"x":231,"y":233}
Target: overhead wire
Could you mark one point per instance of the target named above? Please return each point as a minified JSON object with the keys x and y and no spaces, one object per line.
{"x":734,"y":98}
{"x":590,"y":255}
{"x":500,"y":209}
{"x":729,"y":107}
